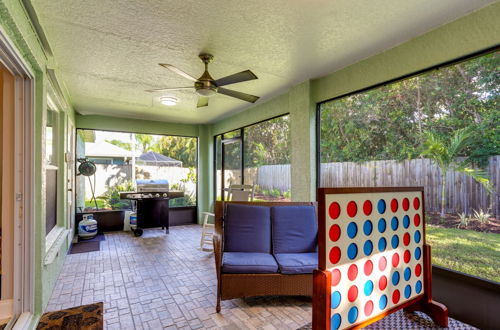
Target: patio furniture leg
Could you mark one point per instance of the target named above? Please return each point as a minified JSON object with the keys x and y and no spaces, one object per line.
{"x":217,"y":308}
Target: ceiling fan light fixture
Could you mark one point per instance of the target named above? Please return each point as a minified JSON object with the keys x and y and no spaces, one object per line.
{"x":206,"y":91}
{"x":168,"y":100}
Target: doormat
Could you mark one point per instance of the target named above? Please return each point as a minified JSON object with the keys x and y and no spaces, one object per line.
{"x":407,"y":320}
{"x":86,"y":317}
{"x":84,"y":247}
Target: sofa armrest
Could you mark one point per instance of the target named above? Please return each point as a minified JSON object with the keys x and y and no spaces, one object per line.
{"x":217,"y":240}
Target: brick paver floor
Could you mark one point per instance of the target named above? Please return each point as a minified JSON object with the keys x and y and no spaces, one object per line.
{"x":163,"y":281}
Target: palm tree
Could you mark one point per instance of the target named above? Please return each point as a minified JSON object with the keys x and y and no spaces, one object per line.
{"x":445,"y":152}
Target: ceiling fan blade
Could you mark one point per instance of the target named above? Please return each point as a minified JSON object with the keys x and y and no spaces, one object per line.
{"x":178,"y":71}
{"x":202,"y":102}
{"x":236,"y":78}
{"x":167,"y":89}
{"x":238,"y":95}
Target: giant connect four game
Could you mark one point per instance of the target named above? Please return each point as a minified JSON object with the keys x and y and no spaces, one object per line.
{"x":371,"y":251}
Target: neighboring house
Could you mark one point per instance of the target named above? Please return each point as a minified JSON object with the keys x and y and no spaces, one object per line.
{"x":106,"y":153}
{"x":156,"y":159}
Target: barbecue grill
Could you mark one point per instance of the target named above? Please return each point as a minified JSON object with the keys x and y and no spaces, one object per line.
{"x":152,"y":198}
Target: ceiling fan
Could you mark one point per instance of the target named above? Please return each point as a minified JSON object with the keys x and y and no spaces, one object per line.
{"x":206,"y":86}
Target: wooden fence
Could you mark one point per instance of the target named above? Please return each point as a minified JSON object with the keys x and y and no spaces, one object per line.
{"x":463,"y":194}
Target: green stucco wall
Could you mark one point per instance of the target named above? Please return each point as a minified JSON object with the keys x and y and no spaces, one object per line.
{"x":17,"y":28}
{"x":134,"y":125}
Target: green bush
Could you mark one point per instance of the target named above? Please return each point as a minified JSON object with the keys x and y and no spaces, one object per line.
{"x":112,"y":199}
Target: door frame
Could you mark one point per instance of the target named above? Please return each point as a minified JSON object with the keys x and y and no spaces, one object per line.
{"x":225,"y":142}
{"x":24,"y":227}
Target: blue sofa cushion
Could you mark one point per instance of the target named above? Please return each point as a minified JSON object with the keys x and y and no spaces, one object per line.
{"x":248,"y":262}
{"x":247,"y":228}
{"x":297,"y":263}
{"x":294,"y":229}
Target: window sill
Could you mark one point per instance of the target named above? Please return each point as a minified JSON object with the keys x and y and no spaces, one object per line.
{"x":53,"y":242}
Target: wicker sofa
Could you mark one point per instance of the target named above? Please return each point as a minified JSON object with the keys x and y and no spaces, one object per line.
{"x":264,"y":249}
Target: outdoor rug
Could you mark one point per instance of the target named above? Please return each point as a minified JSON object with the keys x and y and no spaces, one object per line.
{"x":87,"y":317}
{"x":83,"y":247}
{"x":410,"y":321}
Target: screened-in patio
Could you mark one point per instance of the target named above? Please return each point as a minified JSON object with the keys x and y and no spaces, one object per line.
{"x":172,"y":164}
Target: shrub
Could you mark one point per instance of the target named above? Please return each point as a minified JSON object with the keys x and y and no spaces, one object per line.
{"x":464,"y":220}
{"x":482,"y":216}
{"x":112,"y":196}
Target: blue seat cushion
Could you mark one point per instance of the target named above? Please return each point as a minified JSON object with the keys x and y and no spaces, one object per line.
{"x":297,"y":263}
{"x":294,"y":229}
{"x":248,"y":262}
{"x":247,"y":228}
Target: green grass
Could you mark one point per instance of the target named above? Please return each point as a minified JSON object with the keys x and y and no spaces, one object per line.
{"x":100,"y":203}
{"x":466,"y":251}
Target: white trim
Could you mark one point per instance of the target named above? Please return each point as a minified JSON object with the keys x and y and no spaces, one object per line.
{"x":24,"y":252}
{"x":54,"y":241}
{"x":23,"y":321}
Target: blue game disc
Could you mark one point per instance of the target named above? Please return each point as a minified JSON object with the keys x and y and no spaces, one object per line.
{"x":381,"y":225}
{"x":382,"y":303}
{"x":352,"y":316}
{"x":395,"y":278}
{"x":407,"y":291}
{"x":336,"y":320}
{"x":394,"y":223}
{"x":418,"y":286}
{"x":352,"y":230}
{"x":406,"y":221}
{"x":335,"y":299}
{"x":382,"y":244}
{"x":352,"y":251}
{"x":395,"y":241}
{"x":368,"y":288}
{"x":418,"y":253}
{"x":367,"y":227}
{"x":381,"y":206}
{"x":407,"y":273}
{"x":368,"y":248}
{"x":417,"y":236}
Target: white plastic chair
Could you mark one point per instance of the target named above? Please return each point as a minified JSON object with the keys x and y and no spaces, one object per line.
{"x":207,"y":232}
{"x":241,"y":192}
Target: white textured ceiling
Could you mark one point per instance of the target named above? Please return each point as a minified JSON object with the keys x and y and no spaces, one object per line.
{"x":107,"y":51}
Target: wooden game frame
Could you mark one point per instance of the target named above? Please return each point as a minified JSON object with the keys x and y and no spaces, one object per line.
{"x":322,"y":277}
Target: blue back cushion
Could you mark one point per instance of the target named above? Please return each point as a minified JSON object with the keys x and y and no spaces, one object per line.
{"x":247,"y":228}
{"x":294,"y":229}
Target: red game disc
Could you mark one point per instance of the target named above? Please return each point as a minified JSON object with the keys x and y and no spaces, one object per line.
{"x":395,"y":296}
{"x":394,"y":205}
{"x":382,"y":263}
{"x":367,"y":207}
{"x":352,"y":272}
{"x":416,"y":220}
{"x":368,"y":267}
{"x":336,"y":276}
{"x":406,"y":239}
{"x":352,"y":294}
{"x":416,"y":203}
{"x":395,"y":259}
{"x":368,"y":308}
{"x":335,"y":255}
{"x":406,"y":204}
{"x":418,"y":270}
{"x":382,"y":283}
{"x":334,"y":210}
{"x":334,"y":233}
{"x":407,"y":256}
{"x":352,"y":209}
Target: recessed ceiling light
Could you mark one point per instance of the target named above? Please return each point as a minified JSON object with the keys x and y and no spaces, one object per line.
{"x":168,"y":100}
